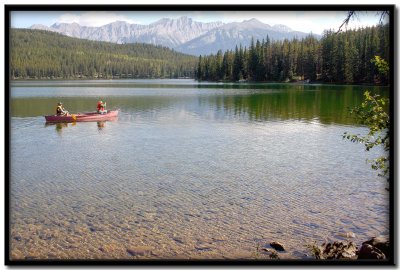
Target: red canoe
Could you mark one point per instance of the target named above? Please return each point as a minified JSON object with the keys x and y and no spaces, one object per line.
{"x":82,"y":117}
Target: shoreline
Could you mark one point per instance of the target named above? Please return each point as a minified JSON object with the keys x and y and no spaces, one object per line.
{"x":199,"y":82}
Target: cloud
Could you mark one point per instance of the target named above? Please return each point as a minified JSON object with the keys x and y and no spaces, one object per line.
{"x":305,"y":21}
{"x":93,"y":18}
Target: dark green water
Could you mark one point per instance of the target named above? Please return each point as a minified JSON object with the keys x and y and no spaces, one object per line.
{"x":188,"y":170}
{"x":259,"y":102}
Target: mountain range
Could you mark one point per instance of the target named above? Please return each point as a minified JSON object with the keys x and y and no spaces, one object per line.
{"x":182,"y":34}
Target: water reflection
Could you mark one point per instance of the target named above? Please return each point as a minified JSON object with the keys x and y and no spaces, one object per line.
{"x":328,"y":104}
{"x":60,"y":127}
{"x":101,"y":125}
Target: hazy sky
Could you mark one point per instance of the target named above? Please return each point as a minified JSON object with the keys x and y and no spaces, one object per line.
{"x":305,"y":21}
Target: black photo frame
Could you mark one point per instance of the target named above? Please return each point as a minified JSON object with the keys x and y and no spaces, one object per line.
{"x":82,"y":261}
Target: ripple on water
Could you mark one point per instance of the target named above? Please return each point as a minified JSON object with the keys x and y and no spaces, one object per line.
{"x":151,"y":187}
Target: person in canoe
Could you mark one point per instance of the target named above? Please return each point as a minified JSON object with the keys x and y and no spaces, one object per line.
{"x":61,"y":110}
{"x":101,"y":107}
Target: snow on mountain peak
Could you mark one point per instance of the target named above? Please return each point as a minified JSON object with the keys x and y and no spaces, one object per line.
{"x":282,"y":28}
{"x":182,"y":33}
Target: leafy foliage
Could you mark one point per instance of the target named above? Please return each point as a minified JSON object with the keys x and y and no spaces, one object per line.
{"x":382,"y":66}
{"x":43,"y":54}
{"x":372,"y":114}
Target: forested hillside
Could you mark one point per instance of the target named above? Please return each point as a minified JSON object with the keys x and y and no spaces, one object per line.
{"x":336,"y":58}
{"x":42,"y":54}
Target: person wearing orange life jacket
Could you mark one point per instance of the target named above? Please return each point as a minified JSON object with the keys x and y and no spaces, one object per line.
{"x":101,"y":107}
{"x":61,"y":110}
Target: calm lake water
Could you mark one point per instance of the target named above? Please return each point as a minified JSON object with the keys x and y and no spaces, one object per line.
{"x":188,"y":170}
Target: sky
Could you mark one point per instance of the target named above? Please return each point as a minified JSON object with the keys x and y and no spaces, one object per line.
{"x":305,"y":21}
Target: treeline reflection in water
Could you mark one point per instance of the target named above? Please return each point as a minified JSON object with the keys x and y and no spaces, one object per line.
{"x":326,"y":104}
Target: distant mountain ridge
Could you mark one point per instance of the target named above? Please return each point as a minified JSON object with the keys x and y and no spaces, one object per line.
{"x":182,"y":34}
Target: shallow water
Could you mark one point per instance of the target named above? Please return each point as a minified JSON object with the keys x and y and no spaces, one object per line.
{"x":199,"y":171}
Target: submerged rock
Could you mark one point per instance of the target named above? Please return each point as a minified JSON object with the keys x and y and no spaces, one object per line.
{"x":179,"y":240}
{"x":267,"y":250}
{"x":203,"y":247}
{"x":278,"y":246}
{"x":347,"y":235}
{"x":139,"y":251}
{"x":108,"y":248}
{"x":18,"y":238}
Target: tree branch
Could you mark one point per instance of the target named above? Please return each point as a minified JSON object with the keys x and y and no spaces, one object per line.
{"x":346,"y":21}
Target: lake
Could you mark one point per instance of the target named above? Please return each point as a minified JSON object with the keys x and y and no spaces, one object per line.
{"x":188,"y":170}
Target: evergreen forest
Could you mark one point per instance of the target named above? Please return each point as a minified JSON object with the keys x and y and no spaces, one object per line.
{"x":40,"y":54}
{"x":344,"y":57}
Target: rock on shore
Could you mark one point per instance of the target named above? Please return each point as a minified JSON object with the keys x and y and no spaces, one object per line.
{"x":375,"y":248}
